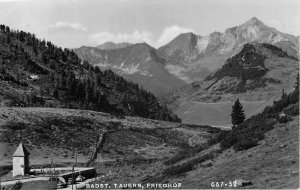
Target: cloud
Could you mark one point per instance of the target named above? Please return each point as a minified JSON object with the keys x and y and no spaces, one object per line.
{"x":170,"y":33}
{"x":135,"y":37}
{"x":65,"y":26}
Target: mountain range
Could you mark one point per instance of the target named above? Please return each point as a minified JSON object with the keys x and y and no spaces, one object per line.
{"x":139,"y":63}
{"x":112,"y":45}
{"x":194,"y":56}
{"x":186,"y":58}
{"x":257,"y":75}
{"x":202,"y":75}
{"x":53,"y":102}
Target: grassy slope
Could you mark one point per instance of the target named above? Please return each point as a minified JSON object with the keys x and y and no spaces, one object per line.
{"x":218,"y":113}
{"x":272,"y":164}
{"x":52,"y":133}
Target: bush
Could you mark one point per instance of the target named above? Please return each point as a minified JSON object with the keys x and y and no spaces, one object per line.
{"x":284,"y":119}
{"x":245,"y":144}
{"x":292,"y":109}
{"x":182,"y":154}
{"x":188,"y":152}
{"x":188,"y":166}
{"x":178,"y":169}
{"x":228,"y":141}
{"x":14,"y":125}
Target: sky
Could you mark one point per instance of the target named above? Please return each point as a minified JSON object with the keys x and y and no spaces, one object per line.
{"x":76,"y":23}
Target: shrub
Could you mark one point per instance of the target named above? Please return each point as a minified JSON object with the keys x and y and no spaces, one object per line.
{"x":245,"y":144}
{"x":178,"y":169}
{"x":292,"y":109}
{"x":188,"y":166}
{"x":284,"y":119}
{"x":14,"y":125}
{"x":182,"y":154}
{"x":228,"y":141}
{"x":185,"y":153}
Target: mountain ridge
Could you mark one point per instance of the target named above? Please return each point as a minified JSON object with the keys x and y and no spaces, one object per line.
{"x":208,"y":53}
{"x":259,"y":72}
{"x":139,"y":63}
{"x":112,"y":45}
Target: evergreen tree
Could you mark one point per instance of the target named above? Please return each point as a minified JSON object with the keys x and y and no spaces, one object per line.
{"x":55,"y":93}
{"x":237,"y":114}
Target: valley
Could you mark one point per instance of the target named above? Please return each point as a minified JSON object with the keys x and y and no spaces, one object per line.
{"x":131,"y":113}
{"x":257,"y":75}
{"x":253,"y":62}
{"x":216,"y":114}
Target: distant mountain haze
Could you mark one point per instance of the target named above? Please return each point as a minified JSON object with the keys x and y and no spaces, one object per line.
{"x":185,"y":59}
{"x":112,"y":45}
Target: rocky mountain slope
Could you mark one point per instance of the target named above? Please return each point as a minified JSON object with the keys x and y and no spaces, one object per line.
{"x":253,"y":67}
{"x":256,"y":75}
{"x":187,"y":58}
{"x":193,"y":57}
{"x":140,"y":63}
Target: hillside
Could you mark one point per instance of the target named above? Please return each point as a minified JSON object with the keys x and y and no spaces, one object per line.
{"x":272,"y":164}
{"x":248,"y":69}
{"x":99,"y":138}
{"x":256,"y":75}
{"x":194,"y":57}
{"x":262,"y":152}
{"x":34,"y":72}
{"x":139,"y":63}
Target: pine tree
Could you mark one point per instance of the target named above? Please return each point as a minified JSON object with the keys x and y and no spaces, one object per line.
{"x":55,"y":93}
{"x":237,"y":114}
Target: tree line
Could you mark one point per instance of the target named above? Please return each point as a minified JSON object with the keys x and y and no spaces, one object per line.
{"x":66,"y":81}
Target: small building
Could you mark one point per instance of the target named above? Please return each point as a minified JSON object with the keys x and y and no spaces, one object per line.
{"x":21,"y":161}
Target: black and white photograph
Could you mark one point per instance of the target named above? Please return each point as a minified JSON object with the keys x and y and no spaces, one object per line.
{"x":149,"y":94}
